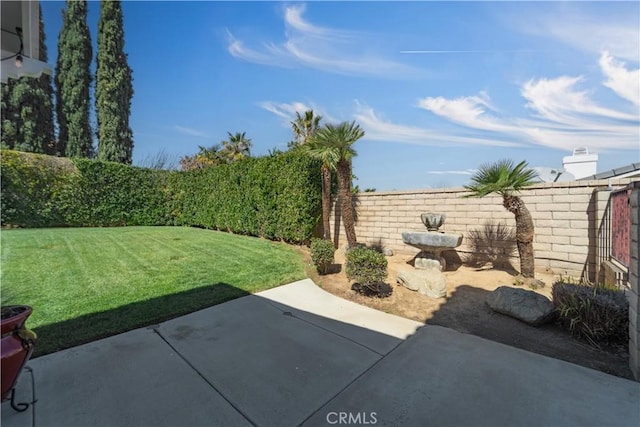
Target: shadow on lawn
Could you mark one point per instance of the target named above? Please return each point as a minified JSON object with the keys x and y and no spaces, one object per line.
{"x":90,"y":327}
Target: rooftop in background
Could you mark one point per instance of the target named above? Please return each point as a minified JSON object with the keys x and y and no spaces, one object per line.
{"x":629,"y":171}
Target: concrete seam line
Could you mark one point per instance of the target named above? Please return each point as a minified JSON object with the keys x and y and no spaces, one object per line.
{"x":204,"y":378}
{"x":290,"y":314}
{"x":351,"y":382}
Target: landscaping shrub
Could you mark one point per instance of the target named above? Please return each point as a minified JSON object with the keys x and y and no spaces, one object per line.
{"x":376,"y":289}
{"x":368,"y":268}
{"x":596,"y":314}
{"x":322,"y":252}
{"x":365,"y":265}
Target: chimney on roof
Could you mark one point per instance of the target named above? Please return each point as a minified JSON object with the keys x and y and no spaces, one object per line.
{"x":581,"y":164}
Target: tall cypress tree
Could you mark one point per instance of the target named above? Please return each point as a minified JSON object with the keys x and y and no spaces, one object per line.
{"x":114,"y":88}
{"x":27,"y":109}
{"x":45,"y":121}
{"x":8,"y":116}
{"x":73,"y":79}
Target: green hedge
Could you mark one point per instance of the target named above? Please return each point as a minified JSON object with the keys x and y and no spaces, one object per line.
{"x":35,"y":189}
{"x":114,"y":194}
{"x":45,"y":191}
{"x":276,"y":197}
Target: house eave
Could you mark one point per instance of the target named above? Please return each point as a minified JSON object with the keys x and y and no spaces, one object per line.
{"x":24,"y":15}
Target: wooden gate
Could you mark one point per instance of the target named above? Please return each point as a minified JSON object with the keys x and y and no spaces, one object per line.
{"x":621,"y":226}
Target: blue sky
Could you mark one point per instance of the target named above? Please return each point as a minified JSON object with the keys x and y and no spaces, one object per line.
{"x":438,"y":87}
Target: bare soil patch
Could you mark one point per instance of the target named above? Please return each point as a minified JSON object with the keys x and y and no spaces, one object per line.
{"x":464,"y":310}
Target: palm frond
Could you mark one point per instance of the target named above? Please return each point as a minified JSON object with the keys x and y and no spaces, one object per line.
{"x":501,"y":177}
{"x":305,"y":126}
{"x":332,"y":143}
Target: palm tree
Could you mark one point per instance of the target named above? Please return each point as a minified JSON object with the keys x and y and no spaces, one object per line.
{"x":329,"y":157}
{"x":304,"y":127}
{"x":339,"y":140}
{"x":237,"y":147}
{"x":506,"y":179}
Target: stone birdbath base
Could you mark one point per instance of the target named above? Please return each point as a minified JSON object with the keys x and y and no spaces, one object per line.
{"x":427,"y":278}
{"x":431,"y":245}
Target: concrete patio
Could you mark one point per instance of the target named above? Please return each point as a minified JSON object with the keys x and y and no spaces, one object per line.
{"x":296,"y":355}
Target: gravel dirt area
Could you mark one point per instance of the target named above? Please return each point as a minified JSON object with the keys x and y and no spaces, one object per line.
{"x":464,"y":310}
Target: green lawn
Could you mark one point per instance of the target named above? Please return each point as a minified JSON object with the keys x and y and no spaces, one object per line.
{"x":88,"y":283}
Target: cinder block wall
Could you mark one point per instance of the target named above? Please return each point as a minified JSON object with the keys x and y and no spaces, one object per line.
{"x":634,"y":300}
{"x":566,"y":218}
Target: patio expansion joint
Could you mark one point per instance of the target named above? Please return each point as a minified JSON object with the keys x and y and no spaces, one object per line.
{"x":293,"y":315}
{"x":351,"y":382}
{"x":201,"y":375}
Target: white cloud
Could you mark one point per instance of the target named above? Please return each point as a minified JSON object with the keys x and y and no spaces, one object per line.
{"x":563,"y":116}
{"x":618,"y":38}
{"x":237,"y":49}
{"x":190,"y":131}
{"x":378,"y":129}
{"x":454,"y":172}
{"x":284,"y":110}
{"x":287,"y":111}
{"x":470,"y":111}
{"x":574,"y":25}
{"x":327,"y":49}
{"x":293,"y":18}
{"x":625,"y":83}
{"x":558,"y":100}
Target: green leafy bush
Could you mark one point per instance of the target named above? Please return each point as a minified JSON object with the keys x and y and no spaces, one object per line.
{"x":365,"y":265}
{"x":322,"y":252}
{"x":598,"y":315}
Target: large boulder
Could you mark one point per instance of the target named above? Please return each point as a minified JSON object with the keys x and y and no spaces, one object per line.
{"x":527,"y":306}
{"x":431,"y":282}
{"x":435,"y":284}
{"x":410,"y":280}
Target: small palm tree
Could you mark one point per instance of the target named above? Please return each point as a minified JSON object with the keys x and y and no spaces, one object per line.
{"x":338,"y":139}
{"x":237,"y":147}
{"x":304,"y":127}
{"x":506,"y":179}
{"x":329,"y":157}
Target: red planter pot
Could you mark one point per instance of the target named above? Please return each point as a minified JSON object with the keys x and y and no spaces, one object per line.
{"x":16,"y":345}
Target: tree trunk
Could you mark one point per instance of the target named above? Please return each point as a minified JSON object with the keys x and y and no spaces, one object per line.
{"x":326,"y":201}
{"x":524,"y":234}
{"x":344,"y":190}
